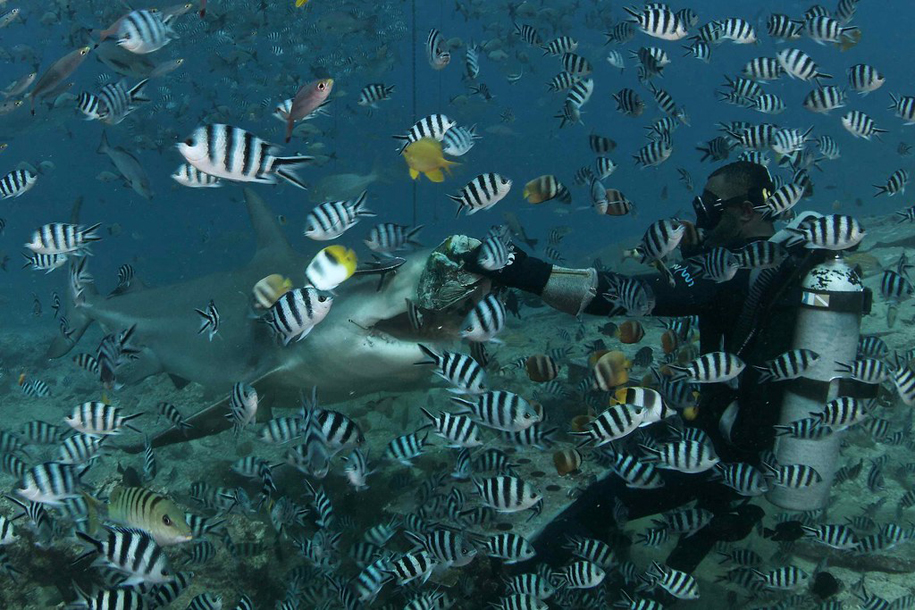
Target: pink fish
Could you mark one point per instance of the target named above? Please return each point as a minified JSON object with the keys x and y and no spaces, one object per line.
{"x":308,"y":98}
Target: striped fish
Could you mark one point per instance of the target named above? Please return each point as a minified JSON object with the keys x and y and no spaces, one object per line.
{"x":460,"y":370}
{"x":481,"y":193}
{"x":141,"y":31}
{"x":59,"y":238}
{"x":17,"y":183}
{"x":237,"y":155}
{"x":297,"y":312}
{"x":329,"y":220}
{"x":132,"y":552}
{"x":190,"y":176}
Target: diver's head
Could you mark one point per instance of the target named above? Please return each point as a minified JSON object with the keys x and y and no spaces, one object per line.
{"x":725,"y":210}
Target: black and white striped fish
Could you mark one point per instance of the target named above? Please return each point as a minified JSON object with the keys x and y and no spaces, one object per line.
{"x":761,"y":254}
{"x":904,"y":105}
{"x":50,"y":483}
{"x":713,"y":367}
{"x":861,"y":125}
{"x":297,"y":312}
{"x":388,"y":237}
{"x":237,"y":155}
{"x":654,"y":153}
{"x":507,"y":494}
{"x":436,"y":50}
{"x":783,"y":27}
{"x":793,"y":476}
{"x":458,"y":140}
{"x":510,"y":548}
{"x":743,"y":478}
{"x":562,"y":81}
{"x":434,"y":126}
{"x":485,"y":320}
{"x":614,"y":423}
{"x":799,"y":65}
{"x":100,"y":419}
{"x":406,"y":448}
{"x":866,"y":370}
{"x":495,"y":251}
{"x":142,"y":31}
{"x":786,"y":578}
{"x":824,"y":99}
{"x":110,"y":599}
{"x":210,"y":320}
{"x":528,"y":34}
{"x":831,"y":232}
{"x":895,"y":184}
{"x":629,"y":103}
{"x":790,"y":365}
{"x":659,"y":22}
{"x":242,"y":407}
{"x":481,"y":193}
{"x":679,"y":584}
{"x":190,"y":176}
{"x":63,"y":238}
{"x":501,"y":410}
{"x":80,"y":449}
{"x":718,"y":265}
{"x":576,"y":65}
{"x":373,"y":93}
{"x":17,"y":183}
{"x":865,"y":78}
{"x":329,"y":220}
{"x":460,"y":370}
{"x":115,"y":101}
{"x":683,"y":456}
{"x":412,"y":566}
{"x":560,"y":45}
{"x":36,"y":388}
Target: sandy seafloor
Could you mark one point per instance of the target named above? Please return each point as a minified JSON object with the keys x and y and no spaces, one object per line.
{"x":888,"y":575}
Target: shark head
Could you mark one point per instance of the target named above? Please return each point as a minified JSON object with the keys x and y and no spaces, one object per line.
{"x":364,"y":345}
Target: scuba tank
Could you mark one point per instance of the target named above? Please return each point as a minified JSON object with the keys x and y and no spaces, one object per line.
{"x":831,"y":302}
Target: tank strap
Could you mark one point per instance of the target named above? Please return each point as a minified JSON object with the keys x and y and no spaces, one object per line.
{"x":840,"y":302}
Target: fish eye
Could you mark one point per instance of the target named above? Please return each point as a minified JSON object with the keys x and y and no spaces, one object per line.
{"x":167,"y":520}
{"x":504,"y":181}
{"x":166,"y":572}
{"x":527,"y":416}
{"x":189,"y":141}
{"x":322,"y":86}
{"x":322,"y":298}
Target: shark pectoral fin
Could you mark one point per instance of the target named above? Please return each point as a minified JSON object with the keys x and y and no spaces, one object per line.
{"x":212,"y":419}
{"x":179,"y":382}
{"x":61,"y":344}
{"x":145,"y":365}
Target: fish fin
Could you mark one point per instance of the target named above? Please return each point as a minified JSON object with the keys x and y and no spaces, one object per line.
{"x":436,"y":175}
{"x":179,"y":382}
{"x":268,"y":235}
{"x":413,"y":174}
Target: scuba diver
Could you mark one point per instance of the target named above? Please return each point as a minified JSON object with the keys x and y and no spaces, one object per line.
{"x":751,"y":316}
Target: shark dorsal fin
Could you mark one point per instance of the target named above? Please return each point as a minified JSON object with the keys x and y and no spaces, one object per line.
{"x":267,"y":232}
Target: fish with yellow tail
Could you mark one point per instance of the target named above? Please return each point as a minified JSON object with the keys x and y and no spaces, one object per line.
{"x":331,"y":267}
{"x":268,"y":290}
{"x":424,"y":156}
{"x":151,"y":512}
{"x":300,"y":3}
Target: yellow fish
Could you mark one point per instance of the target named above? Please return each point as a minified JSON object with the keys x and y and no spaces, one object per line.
{"x":151,"y":512}
{"x":299,"y":3}
{"x":331,"y":267}
{"x":269,"y":289}
{"x":425,"y":157}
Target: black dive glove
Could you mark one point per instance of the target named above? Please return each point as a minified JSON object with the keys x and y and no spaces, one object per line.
{"x":522,"y":272}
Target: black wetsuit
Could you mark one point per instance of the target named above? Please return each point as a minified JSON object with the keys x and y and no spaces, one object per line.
{"x":757,"y":324}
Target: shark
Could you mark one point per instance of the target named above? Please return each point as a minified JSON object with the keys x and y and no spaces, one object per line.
{"x":363,"y":346}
